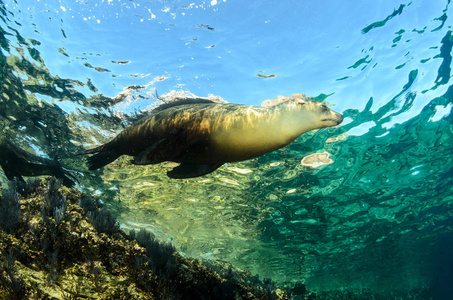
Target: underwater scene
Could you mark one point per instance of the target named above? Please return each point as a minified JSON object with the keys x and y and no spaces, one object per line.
{"x":350,"y":199}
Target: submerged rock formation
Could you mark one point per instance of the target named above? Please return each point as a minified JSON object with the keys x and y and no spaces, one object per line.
{"x":56,"y":243}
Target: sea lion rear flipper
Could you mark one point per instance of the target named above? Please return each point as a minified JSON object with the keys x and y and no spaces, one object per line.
{"x":188,"y":170}
{"x":11,"y":174}
{"x":101,"y":159}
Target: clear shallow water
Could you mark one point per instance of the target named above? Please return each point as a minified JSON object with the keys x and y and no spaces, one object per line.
{"x":378,"y":217}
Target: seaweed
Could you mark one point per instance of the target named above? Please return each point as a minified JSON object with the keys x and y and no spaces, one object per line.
{"x":101,"y":219}
{"x":87,"y":204}
{"x":161,"y":255}
{"x":53,"y":197}
{"x":104,"y":221}
{"x":55,"y":202}
{"x":27,"y":186}
{"x":269,"y":288}
{"x":14,"y":283}
{"x":10,"y":214}
{"x":59,"y":212}
{"x":54,"y":206}
{"x":53,"y":265}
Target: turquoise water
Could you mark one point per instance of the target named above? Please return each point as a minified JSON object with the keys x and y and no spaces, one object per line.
{"x":378,"y":217}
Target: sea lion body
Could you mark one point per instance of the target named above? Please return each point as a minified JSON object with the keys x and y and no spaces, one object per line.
{"x":17,"y":162}
{"x":203,"y":135}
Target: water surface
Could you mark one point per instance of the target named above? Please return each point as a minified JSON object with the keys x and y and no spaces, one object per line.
{"x":378,"y":217}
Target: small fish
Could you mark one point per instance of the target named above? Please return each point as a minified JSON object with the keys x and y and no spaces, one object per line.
{"x":266,"y":76}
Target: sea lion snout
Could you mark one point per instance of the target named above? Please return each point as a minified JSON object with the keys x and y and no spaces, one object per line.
{"x":336,"y":118}
{"x":332,"y":120}
{"x":329,"y":117}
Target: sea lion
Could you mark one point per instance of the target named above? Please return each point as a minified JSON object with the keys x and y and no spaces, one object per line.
{"x":203,"y":135}
{"x":17,"y":162}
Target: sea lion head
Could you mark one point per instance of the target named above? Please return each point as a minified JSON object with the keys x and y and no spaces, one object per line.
{"x":308,"y":114}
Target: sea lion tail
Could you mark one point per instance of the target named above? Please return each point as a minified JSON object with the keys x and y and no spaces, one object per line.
{"x":103,"y":155}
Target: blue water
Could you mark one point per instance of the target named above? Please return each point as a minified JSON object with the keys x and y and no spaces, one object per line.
{"x":377,"y":218}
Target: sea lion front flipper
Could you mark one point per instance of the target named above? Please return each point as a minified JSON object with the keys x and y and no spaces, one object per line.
{"x":188,"y":170}
{"x":152,"y":154}
{"x":169,"y":148}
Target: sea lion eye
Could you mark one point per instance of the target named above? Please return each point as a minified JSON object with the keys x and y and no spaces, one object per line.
{"x":301,"y":103}
{"x":324,"y":107}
